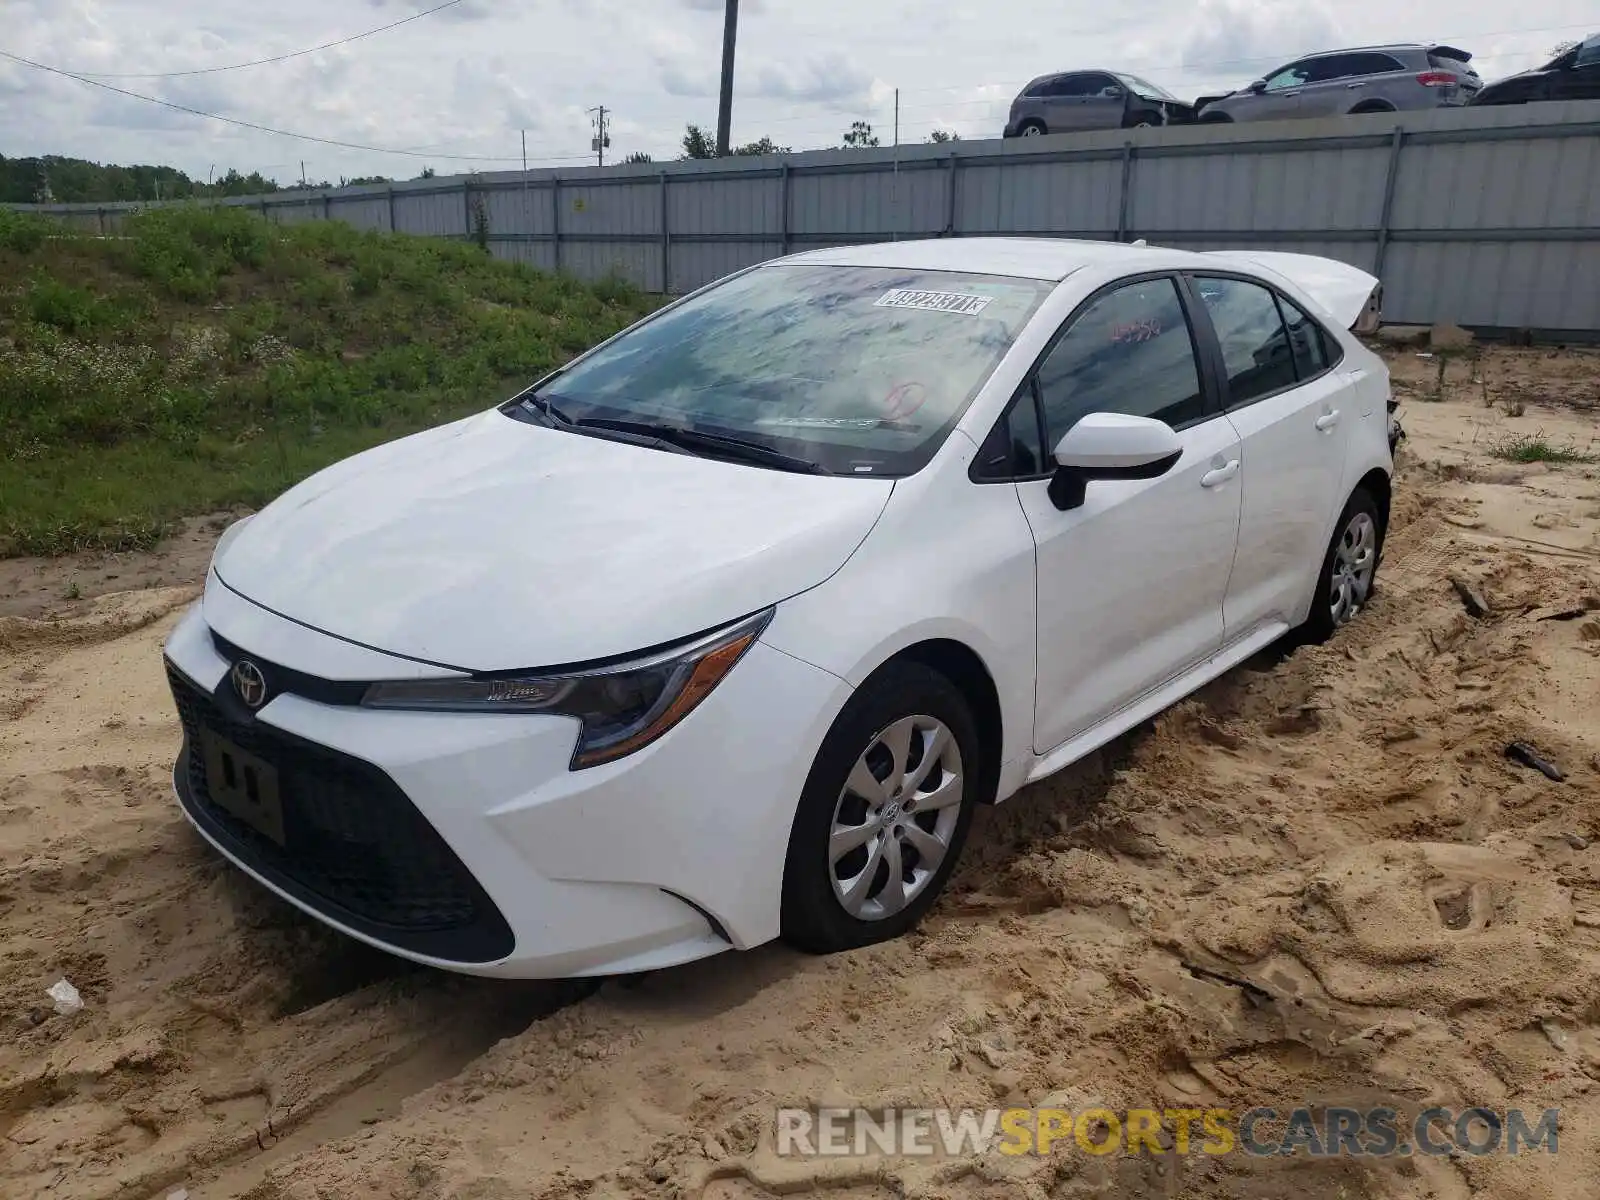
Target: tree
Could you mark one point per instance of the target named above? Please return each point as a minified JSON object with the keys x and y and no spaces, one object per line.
{"x":427,"y":173}
{"x":1563,"y":48}
{"x":697,"y":143}
{"x":860,"y":136}
{"x":944,"y":135}
{"x":359,"y":180}
{"x":763,"y":145}
{"x":638,"y":156}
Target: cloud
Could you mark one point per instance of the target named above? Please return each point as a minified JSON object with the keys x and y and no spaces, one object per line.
{"x":467,"y":80}
{"x":1249,"y":37}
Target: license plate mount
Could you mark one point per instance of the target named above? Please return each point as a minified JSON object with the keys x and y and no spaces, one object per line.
{"x":243,"y":785}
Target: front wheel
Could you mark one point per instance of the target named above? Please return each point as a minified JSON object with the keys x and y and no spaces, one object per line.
{"x":1031,"y":129}
{"x":884,"y":813}
{"x":1348,"y":569}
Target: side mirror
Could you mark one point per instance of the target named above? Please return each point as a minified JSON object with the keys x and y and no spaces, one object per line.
{"x":1257,"y":86}
{"x":1113,"y":91}
{"x":1111,"y":446}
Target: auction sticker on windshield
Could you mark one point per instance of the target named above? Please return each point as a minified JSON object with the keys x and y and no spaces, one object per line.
{"x":950,"y":302}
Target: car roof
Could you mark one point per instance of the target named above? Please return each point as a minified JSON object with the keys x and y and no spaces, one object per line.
{"x":1051,"y":259}
{"x":1390,"y":48}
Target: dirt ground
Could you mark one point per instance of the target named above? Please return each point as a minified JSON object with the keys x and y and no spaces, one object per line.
{"x":1406,"y":917}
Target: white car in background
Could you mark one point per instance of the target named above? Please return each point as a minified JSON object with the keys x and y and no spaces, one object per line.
{"x":722,"y":631}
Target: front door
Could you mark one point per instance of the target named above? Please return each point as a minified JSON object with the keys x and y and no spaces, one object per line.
{"x":1291,"y":408}
{"x":1130,"y":584}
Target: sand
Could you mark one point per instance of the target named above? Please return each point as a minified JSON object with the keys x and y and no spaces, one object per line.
{"x":1318,"y":881}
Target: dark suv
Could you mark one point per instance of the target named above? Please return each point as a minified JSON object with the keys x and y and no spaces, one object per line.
{"x":1573,"y":75}
{"x":1339,"y":82}
{"x":1082,"y":100}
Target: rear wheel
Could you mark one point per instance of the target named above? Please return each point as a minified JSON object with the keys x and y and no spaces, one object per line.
{"x":1215,"y":118}
{"x":1349,"y":568}
{"x":884,"y":813}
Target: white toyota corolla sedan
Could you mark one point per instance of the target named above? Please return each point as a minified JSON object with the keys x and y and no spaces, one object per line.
{"x":721,"y":632}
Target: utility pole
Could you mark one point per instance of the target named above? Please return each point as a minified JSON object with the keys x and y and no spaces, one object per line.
{"x":730,"y":32}
{"x":602,"y":136}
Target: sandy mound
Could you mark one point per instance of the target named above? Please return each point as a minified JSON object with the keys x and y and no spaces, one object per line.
{"x":1319,"y":881}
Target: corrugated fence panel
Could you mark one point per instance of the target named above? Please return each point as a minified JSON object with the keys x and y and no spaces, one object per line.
{"x":695,"y":264}
{"x":1279,"y":189}
{"x":432,"y":213}
{"x":611,"y":208}
{"x":366,"y":212}
{"x":1493,"y":218}
{"x":1062,"y":197}
{"x":520,"y":210}
{"x":724,"y":206}
{"x":638,"y":263}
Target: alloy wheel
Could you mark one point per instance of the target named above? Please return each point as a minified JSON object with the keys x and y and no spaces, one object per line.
{"x":1354,"y":559}
{"x":895,"y":817}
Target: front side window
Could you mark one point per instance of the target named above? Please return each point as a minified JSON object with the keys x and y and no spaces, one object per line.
{"x":1293,"y":76}
{"x":1255,"y":348}
{"x":1069,"y":85}
{"x":1129,"y":352}
{"x":863,"y":370}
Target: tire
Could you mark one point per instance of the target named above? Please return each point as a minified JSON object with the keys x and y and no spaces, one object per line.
{"x":822,"y":913}
{"x":1031,"y":129}
{"x":1210,"y":118}
{"x":1362,"y":110}
{"x":1340,"y":593}
{"x":1144,"y":123}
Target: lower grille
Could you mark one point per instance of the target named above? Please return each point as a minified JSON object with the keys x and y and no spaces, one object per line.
{"x":354,"y":847}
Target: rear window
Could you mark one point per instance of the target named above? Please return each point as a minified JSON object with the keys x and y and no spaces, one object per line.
{"x":862,"y":369}
{"x":1445,"y":62}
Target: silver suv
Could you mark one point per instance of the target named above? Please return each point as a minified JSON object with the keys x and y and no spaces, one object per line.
{"x":1340,"y":82}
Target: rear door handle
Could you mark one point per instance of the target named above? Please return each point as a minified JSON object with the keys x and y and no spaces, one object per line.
{"x":1220,"y":475}
{"x":1328,"y":420}
{"x":1350,"y":87}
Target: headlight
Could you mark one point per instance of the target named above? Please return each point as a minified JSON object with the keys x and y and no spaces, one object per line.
{"x":620,"y":708}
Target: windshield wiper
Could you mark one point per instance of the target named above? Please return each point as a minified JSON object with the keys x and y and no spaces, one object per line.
{"x":716,"y":443}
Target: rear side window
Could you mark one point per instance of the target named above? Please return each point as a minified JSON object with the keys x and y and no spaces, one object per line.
{"x":1255,"y":346}
{"x":1370,"y":64}
{"x":1306,"y":340}
{"x":1129,"y":352}
{"x":1068,"y":85}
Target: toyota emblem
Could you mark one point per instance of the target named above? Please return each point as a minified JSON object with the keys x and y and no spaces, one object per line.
{"x":249,"y":683}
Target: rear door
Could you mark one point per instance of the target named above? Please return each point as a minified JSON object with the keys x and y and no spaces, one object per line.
{"x":1063,"y":101}
{"x":1287,"y":401}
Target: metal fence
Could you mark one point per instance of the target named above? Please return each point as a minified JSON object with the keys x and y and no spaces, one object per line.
{"x":1487,"y":217}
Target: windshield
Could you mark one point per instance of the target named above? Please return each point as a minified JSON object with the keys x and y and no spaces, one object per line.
{"x":1144,"y":88}
{"x":863,"y":370}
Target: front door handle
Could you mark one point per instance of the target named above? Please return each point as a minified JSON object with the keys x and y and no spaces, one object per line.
{"x":1328,"y":420}
{"x":1220,"y":475}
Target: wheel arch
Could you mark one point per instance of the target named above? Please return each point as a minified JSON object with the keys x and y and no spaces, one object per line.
{"x":963,"y":667}
{"x":1380,"y":487}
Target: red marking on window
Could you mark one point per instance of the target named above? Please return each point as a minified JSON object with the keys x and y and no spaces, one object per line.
{"x":1135,"y":331}
{"x":904,"y":399}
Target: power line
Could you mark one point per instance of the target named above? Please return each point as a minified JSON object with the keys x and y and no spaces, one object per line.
{"x":277,"y":58}
{"x":304,"y":137}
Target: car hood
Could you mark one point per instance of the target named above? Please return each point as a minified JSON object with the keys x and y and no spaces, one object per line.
{"x":1342,"y":290}
{"x":493,"y":544}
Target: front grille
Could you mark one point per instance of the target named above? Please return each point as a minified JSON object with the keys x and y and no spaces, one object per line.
{"x":354,"y":847}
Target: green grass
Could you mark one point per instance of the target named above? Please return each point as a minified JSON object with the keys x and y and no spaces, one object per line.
{"x":1535,"y":448}
{"x":210,"y":359}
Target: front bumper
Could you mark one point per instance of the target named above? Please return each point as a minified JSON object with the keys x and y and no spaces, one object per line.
{"x":463,"y":841}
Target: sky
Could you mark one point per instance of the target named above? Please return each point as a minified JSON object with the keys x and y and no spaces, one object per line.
{"x":460,"y":87}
